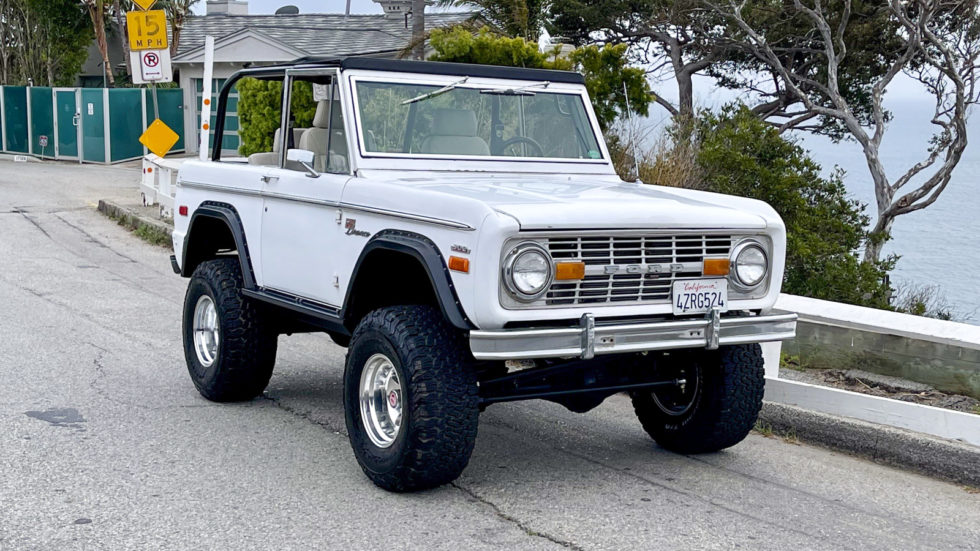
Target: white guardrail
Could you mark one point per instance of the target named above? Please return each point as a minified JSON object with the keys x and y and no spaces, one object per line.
{"x":937,"y":347}
{"x":852,"y":336}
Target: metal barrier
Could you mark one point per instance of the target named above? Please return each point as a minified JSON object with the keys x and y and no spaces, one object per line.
{"x":97,"y":125}
{"x":158,"y":183}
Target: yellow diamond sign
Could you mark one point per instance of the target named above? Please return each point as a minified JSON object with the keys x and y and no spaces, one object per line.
{"x":144,"y":4}
{"x":159,"y":138}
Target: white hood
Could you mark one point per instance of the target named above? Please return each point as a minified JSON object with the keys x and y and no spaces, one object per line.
{"x":541,"y":203}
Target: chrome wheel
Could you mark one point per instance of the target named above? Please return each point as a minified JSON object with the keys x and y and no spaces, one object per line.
{"x":206,"y":333}
{"x":381,"y":400}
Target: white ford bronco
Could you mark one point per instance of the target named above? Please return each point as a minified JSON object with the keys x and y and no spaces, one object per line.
{"x":462,"y":231}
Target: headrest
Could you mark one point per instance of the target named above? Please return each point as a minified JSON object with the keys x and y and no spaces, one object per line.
{"x":320,"y":118}
{"x":454,"y":122}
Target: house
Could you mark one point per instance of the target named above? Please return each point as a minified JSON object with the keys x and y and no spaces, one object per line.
{"x":243,"y":40}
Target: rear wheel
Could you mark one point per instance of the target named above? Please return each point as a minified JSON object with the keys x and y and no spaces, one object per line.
{"x":229,"y":350}
{"x":714,"y":407}
{"x":410,"y":398}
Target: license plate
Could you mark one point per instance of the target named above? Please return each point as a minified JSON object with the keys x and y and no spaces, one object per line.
{"x":698,"y":296}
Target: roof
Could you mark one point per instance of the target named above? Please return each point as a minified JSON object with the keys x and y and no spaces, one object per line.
{"x":460,"y":69}
{"x":313,"y":34}
{"x":424,"y":67}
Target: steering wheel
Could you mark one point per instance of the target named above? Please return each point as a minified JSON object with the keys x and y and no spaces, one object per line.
{"x":539,"y":151}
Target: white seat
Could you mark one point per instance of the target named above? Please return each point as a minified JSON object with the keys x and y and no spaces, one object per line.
{"x":271,"y":158}
{"x":454,"y":132}
{"x":327,"y":132}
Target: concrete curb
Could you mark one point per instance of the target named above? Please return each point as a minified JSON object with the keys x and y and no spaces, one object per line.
{"x":131,"y":219}
{"x":945,"y":459}
{"x":19,"y":158}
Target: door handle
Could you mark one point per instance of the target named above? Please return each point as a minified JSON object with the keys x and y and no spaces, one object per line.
{"x":270,"y":179}
{"x":74,"y":119}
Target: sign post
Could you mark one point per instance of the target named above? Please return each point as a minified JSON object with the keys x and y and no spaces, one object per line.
{"x":150,"y":52}
{"x":206,"y":108}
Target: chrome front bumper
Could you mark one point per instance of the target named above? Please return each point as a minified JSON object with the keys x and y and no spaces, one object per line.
{"x":590,"y":339}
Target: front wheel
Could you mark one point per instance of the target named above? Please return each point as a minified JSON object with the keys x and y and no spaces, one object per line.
{"x":410,"y":399}
{"x":229,"y":348}
{"x":715,"y":404}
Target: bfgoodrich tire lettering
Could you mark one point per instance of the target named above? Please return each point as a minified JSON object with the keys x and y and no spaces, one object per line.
{"x":439,"y":402}
{"x":731,"y":383}
{"x":240,"y":367}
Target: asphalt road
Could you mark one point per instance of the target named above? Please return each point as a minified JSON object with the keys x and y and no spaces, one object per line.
{"x":105,"y":444}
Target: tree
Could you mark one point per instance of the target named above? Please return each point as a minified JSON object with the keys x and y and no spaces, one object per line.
{"x":684,"y":38}
{"x":42,"y":41}
{"x":673,"y":36}
{"x":177,"y":12}
{"x":98,"y":12}
{"x":63,"y":37}
{"x":739,"y":154}
{"x":938,"y":46}
{"x":605,"y":69}
{"x":516,"y":18}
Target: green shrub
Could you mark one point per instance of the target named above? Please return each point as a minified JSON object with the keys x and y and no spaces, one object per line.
{"x":260,"y":110}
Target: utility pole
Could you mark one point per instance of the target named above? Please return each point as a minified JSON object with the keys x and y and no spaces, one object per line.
{"x":418,"y":29}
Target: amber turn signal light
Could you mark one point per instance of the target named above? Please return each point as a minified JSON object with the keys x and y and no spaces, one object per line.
{"x":569,"y":270}
{"x":458,"y":264}
{"x":716,"y":266}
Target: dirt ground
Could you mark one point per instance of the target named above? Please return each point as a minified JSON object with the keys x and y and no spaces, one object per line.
{"x":865,"y":382}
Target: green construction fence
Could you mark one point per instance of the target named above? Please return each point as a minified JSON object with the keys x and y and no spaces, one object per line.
{"x":92,"y":125}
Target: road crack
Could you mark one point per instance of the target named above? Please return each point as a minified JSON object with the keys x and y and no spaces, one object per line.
{"x":92,"y":239}
{"x":34,"y":222}
{"x":277,"y":402}
{"x":514,"y":520}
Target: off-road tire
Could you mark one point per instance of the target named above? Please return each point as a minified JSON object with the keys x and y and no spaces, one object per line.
{"x":440,"y":404}
{"x":246,"y":347}
{"x":726,"y":406}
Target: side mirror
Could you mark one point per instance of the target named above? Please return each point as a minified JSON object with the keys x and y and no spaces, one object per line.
{"x":305,"y":158}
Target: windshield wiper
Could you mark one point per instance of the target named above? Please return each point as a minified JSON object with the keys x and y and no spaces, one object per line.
{"x":435,"y":93}
{"x":522,"y":91}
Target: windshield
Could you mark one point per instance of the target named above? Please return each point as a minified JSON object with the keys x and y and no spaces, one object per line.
{"x":460,"y":119}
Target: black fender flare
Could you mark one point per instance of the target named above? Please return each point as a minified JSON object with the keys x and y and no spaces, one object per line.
{"x":229,"y":215}
{"x":425,"y":251}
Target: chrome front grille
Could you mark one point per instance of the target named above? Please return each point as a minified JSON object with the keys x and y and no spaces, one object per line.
{"x":630,"y":269}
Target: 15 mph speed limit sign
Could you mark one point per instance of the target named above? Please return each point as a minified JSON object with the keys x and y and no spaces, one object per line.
{"x":147,"y":29}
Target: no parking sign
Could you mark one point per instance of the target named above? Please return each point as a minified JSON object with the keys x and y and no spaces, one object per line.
{"x":154,"y":66}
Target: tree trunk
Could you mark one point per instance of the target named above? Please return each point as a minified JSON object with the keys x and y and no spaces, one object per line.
{"x":123,"y":34}
{"x":879,"y":236}
{"x":98,"y":22}
{"x":685,"y":95}
{"x":418,"y":29}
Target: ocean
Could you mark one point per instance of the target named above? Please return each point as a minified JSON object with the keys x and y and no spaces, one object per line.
{"x":936,"y":243}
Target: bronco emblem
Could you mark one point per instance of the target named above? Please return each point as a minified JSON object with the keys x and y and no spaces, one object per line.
{"x":351,"y":226}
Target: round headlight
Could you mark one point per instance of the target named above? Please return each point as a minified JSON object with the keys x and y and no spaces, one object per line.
{"x":750,"y":264}
{"x":527,"y":271}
